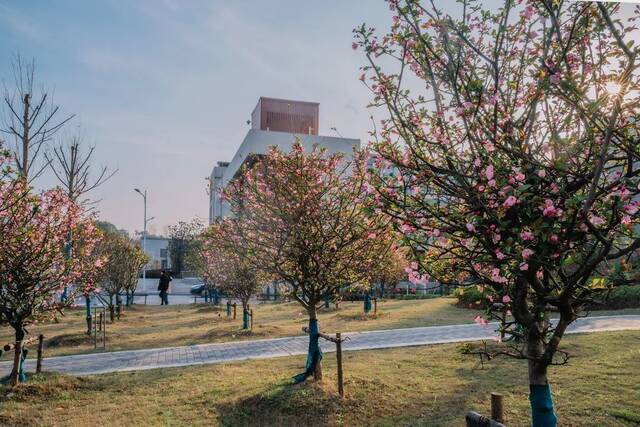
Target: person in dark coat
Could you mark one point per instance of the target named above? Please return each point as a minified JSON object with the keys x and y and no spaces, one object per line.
{"x":163,"y":287}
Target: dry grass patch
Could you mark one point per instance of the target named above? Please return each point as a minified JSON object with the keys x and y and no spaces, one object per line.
{"x":155,"y":326}
{"x":432,"y":385}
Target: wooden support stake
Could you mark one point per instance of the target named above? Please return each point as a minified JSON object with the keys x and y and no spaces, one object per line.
{"x":497,"y":408}
{"x":375,"y":306}
{"x":234,"y":310}
{"x":39,"y":360}
{"x":339,"y":363}
{"x":104,"y":330}
{"x":95,"y":327}
{"x":251,"y":318}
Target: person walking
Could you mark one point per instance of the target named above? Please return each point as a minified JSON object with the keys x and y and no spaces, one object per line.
{"x":163,"y":287}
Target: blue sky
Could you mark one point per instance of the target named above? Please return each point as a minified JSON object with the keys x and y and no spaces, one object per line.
{"x":163,"y":88}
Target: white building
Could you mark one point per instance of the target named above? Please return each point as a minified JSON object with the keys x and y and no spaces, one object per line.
{"x":156,"y":249}
{"x":274,"y":122}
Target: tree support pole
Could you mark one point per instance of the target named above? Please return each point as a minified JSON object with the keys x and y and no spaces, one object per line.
{"x":40,"y":348}
{"x":339,"y":363}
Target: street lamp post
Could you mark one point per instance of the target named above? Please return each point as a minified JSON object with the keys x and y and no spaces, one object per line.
{"x":144,"y":234}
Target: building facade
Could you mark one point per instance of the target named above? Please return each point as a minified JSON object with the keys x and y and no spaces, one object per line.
{"x":275,"y":122}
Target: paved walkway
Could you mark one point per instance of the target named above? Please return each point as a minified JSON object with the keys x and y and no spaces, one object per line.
{"x":132,"y":360}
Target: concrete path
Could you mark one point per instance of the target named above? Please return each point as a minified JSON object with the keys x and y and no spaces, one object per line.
{"x":132,"y":360}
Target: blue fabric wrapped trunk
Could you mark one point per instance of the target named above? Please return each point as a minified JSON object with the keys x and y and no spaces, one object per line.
{"x":314,"y":355}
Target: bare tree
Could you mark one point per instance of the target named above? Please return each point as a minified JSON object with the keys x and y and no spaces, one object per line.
{"x":72,"y":165}
{"x":30,"y":119}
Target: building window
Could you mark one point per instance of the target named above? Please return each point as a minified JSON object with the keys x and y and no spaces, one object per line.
{"x":163,"y":253}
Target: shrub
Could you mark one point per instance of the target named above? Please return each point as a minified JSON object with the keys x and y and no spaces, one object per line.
{"x":620,"y":297}
{"x":470,"y":297}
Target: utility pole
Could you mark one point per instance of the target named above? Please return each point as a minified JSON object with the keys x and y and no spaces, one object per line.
{"x":144,"y":234}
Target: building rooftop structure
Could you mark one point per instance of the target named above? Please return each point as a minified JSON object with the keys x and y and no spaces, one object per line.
{"x":275,"y":122}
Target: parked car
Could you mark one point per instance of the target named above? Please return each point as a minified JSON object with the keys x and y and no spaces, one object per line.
{"x":197,"y":285}
{"x":197,"y":289}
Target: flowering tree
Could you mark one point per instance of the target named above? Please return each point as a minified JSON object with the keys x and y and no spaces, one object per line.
{"x":228,"y":268}
{"x":393,"y":268}
{"x":124,"y":259}
{"x":515,"y":137}
{"x":36,"y":262}
{"x":301,"y":218}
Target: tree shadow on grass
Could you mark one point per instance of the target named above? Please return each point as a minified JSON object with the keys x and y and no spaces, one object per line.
{"x":258,"y":332}
{"x":308,"y":404}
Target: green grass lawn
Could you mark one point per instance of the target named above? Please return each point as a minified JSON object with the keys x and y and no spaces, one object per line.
{"x":431,"y":385}
{"x":155,"y":326}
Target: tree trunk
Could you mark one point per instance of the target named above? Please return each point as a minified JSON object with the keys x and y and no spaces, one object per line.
{"x":88,"y":305}
{"x":317,"y":373}
{"x":314,"y":355}
{"x":17,"y":360}
{"x":245,"y":314}
{"x":542,"y":412}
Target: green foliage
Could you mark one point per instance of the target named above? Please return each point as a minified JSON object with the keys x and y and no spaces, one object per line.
{"x":182,"y":238}
{"x":124,"y":261}
{"x":621,"y":297}
{"x":470,"y":296}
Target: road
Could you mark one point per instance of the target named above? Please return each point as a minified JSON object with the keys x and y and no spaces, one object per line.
{"x":98,"y":363}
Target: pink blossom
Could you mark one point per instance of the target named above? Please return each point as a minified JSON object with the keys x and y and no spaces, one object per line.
{"x":631,"y":208}
{"x":526,"y":253}
{"x":596,"y":220}
{"x":354,"y":46}
{"x":624,"y":193}
{"x":481,"y":321}
{"x":511,"y":200}
{"x":489,"y":172}
{"x":540,"y":274}
{"x":542,"y":173}
{"x":626,"y":220}
{"x":549,"y":209}
{"x":470,"y":227}
{"x":524,"y":266}
{"x":481,"y":188}
{"x":492,"y":183}
{"x":520,"y":177}
{"x":500,"y":255}
{"x":506,"y":299}
{"x":406,"y":228}
{"x":554,"y":238}
{"x":497,"y":277}
{"x":555,"y":78}
{"x":527,"y":236}
{"x":528,"y":12}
